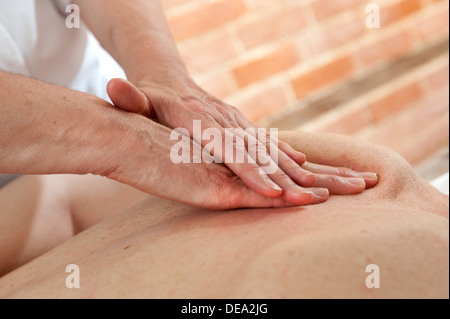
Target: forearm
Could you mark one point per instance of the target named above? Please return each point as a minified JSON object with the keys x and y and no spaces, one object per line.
{"x":136,"y":34}
{"x":46,"y":129}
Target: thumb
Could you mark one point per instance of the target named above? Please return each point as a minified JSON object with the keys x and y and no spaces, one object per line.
{"x":127,"y":97}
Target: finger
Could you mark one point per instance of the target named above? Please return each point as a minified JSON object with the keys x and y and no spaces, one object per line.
{"x":250,"y":199}
{"x":244,"y":197}
{"x":219,"y":143}
{"x":291,"y":191}
{"x":273,"y":141}
{"x":232,"y":153}
{"x":267,"y":147}
{"x":128,"y":97}
{"x":298,"y":174}
{"x":371,"y":179}
{"x":240,"y":196}
{"x":338,"y":185}
{"x":255,"y":175}
{"x":298,"y":157}
{"x":251,"y":170}
{"x":297,"y":195}
{"x":290,"y":162}
{"x":252,"y":177}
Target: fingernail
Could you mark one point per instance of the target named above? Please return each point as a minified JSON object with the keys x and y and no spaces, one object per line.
{"x":356,"y":181}
{"x":272,"y":185}
{"x":369,"y":176}
{"x":321,"y":192}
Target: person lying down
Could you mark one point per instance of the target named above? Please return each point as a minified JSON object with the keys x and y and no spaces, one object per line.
{"x":130,"y":245}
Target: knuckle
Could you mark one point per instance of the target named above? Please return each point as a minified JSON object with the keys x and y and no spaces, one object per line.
{"x":227,"y":113}
{"x":281,"y":175}
{"x":332,"y":180}
{"x":193,"y":102}
{"x":345,"y":172}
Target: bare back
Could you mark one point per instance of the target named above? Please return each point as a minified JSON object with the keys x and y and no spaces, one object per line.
{"x":160,"y":249}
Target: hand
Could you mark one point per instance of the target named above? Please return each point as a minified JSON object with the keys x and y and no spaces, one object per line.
{"x":142,"y":160}
{"x":324,"y":179}
{"x":145,"y":164}
{"x":136,"y":35}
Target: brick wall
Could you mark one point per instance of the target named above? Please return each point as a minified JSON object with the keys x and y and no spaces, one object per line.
{"x":314,"y":65}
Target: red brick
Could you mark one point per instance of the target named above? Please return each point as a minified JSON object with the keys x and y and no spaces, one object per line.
{"x":169,"y":4}
{"x":206,"y":18}
{"x":216,"y":84}
{"x":262,"y":103}
{"x":394,"y":129}
{"x":396,"y":101}
{"x":427,"y":141}
{"x":204,"y":53}
{"x":439,"y":78}
{"x":415,"y":132}
{"x":332,"y":37}
{"x":399,"y":11}
{"x":325,"y":8}
{"x":414,"y":145}
{"x":268,"y":29}
{"x":434,"y":26}
{"x":264,"y":24}
{"x":385,"y":50}
{"x":268,"y":4}
{"x":350,"y":122}
{"x":323,"y":76}
{"x":260,"y":69}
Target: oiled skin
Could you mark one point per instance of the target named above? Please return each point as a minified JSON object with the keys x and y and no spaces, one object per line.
{"x":159,"y":249}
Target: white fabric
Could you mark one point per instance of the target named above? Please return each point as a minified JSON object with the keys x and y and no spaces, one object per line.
{"x":442,"y":183}
{"x":35,"y":42}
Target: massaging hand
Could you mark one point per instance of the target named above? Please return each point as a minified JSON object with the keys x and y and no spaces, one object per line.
{"x":54,"y":130}
{"x":146,"y":165}
{"x":136,"y":34}
{"x":300,"y":183}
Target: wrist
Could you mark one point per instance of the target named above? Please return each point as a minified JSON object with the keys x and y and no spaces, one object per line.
{"x":108,"y":135}
{"x":169,"y":80}
{"x":166,"y":75}
{"x":127,"y":149}
{"x":155,"y":58}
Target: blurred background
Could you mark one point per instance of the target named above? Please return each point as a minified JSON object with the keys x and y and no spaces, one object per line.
{"x":314,"y":65}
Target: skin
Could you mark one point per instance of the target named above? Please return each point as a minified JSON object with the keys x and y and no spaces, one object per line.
{"x":161,"y":249}
{"x":136,"y":34}
{"x":54,"y":130}
{"x":86,"y":135}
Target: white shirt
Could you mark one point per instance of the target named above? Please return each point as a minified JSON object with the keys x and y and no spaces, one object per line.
{"x":35,"y":42}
